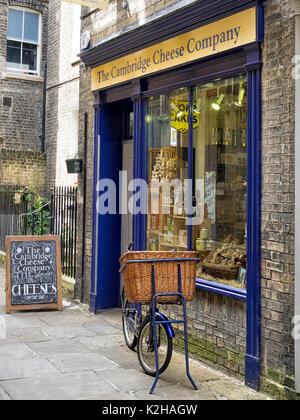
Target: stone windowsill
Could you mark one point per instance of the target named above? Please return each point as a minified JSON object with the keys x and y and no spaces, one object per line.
{"x":23,"y":77}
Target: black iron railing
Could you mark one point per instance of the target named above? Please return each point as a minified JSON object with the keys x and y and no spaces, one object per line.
{"x":56,"y":216}
{"x":9,"y":212}
{"x":63,"y":222}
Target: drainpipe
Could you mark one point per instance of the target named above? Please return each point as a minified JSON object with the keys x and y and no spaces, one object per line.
{"x":84,"y":203}
{"x":44,"y":110}
{"x":297,"y":198}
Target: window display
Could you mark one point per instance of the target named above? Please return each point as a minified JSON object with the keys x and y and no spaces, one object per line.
{"x":220,"y":142}
{"x":219,"y":162}
{"x":167,"y":138}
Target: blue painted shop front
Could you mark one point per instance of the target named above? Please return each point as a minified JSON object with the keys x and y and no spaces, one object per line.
{"x":109,"y":118}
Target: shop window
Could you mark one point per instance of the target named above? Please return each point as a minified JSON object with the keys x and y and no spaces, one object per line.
{"x":23,"y":42}
{"x":217,"y":165}
{"x":220,"y":144}
{"x":167,"y":140}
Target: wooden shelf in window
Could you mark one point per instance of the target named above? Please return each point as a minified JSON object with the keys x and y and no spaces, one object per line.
{"x":173,"y":245}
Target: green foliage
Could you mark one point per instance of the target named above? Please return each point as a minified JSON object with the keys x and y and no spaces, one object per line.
{"x":28,"y":193}
{"x":38,"y":221}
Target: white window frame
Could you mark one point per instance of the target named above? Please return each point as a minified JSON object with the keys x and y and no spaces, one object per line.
{"x":19,"y":71}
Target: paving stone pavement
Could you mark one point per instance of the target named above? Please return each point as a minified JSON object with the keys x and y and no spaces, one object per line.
{"x":77,"y":355}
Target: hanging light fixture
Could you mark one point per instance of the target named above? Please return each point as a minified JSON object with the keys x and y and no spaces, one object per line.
{"x":241,"y":95}
{"x":217,"y":104}
{"x":176,"y":110}
{"x":163,"y":116}
{"x":198,"y":106}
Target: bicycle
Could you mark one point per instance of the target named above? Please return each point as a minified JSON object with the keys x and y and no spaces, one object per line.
{"x":138,"y":333}
{"x":151,"y":336}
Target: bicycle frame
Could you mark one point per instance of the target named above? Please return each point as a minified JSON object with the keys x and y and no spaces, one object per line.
{"x":136,"y":320}
{"x":157,"y":318}
{"x":134,"y":316}
{"x":162,"y":317}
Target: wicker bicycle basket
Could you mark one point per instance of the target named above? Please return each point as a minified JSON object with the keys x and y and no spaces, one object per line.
{"x":137,"y":277}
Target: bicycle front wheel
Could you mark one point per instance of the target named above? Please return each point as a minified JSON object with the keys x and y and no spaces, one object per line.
{"x":128,"y":322}
{"x":146,"y":350}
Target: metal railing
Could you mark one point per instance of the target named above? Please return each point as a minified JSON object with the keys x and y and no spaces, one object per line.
{"x":63,"y":222}
{"x":9,"y":212}
{"x":57,"y":216}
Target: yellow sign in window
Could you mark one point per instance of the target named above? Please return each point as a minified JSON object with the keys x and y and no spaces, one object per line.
{"x":180,"y":116}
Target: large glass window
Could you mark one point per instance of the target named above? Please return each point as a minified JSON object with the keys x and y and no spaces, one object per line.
{"x":220,"y":145}
{"x":23,"y":42}
{"x":218,"y":165}
{"x":167,"y":138}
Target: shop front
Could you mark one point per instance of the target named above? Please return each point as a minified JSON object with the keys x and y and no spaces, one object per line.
{"x":181,"y":114}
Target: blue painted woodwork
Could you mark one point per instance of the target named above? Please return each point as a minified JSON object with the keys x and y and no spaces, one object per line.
{"x":105,"y":288}
{"x":221,"y":289}
{"x":253,"y":350}
{"x":139,"y":168}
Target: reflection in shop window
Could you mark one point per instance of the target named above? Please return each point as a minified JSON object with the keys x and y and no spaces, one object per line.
{"x":220,"y":146}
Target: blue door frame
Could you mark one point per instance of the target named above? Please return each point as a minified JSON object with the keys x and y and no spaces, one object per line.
{"x":104,"y":287}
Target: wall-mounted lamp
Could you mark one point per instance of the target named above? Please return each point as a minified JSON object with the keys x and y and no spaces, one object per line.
{"x":217,"y":104}
{"x":85,"y":40}
{"x":241,"y":95}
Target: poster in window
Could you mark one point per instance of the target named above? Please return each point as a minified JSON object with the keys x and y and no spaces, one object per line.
{"x":210,"y":194}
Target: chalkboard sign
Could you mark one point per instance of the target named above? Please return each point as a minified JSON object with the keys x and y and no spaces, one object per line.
{"x":33,"y":273}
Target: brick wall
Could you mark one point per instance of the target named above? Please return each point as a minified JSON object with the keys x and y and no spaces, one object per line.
{"x":86,"y":101}
{"x":216,"y":330}
{"x":278,"y":94}
{"x":62,"y":91}
{"x":102,"y":23}
{"x":20,"y":123}
{"x":21,"y":167}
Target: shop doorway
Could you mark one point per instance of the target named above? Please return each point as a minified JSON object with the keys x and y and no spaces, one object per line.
{"x":113,"y":229}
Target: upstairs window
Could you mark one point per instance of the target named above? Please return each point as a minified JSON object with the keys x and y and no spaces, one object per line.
{"x":23,"y":42}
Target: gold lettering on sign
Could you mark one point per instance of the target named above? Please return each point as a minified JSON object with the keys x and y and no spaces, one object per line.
{"x":223,"y":35}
